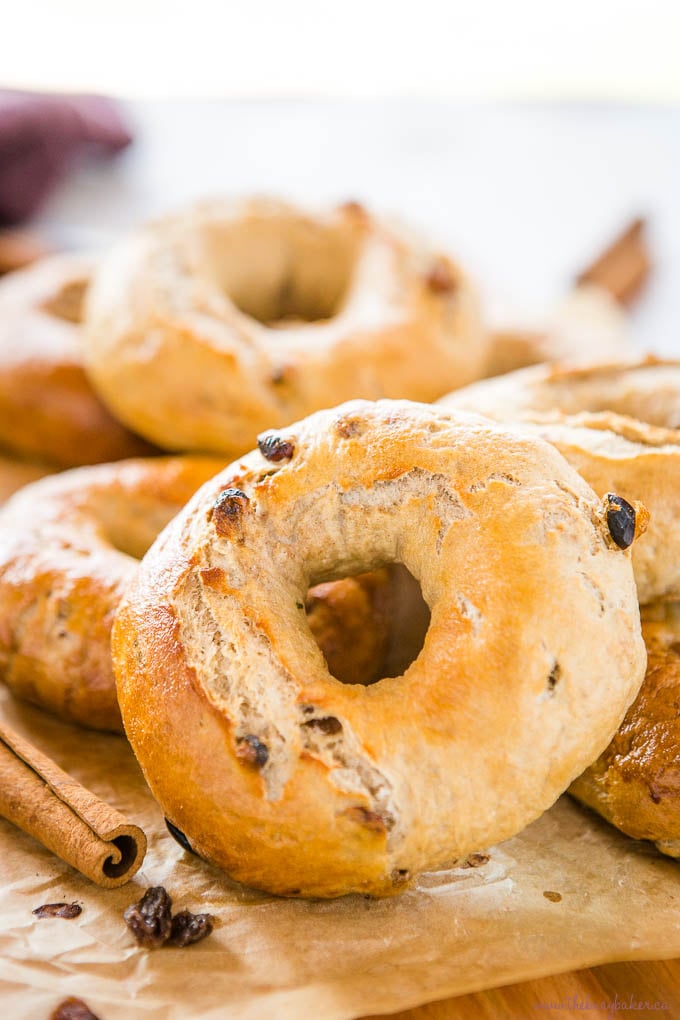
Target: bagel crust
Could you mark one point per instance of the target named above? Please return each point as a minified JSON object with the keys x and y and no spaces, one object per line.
{"x":298,"y":784}
{"x":614,"y":452}
{"x":635,"y":782}
{"x":232,"y":317}
{"x":646,"y":388}
{"x":48,"y":409}
{"x":68,"y":546}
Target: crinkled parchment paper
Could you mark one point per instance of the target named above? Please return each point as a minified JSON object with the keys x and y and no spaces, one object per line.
{"x":457,"y":931}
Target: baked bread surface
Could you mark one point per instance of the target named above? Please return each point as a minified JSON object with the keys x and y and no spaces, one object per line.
{"x":298,"y":784}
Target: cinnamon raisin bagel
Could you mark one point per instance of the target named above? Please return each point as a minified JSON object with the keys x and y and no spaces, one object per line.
{"x":68,"y":545}
{"x":48,"y":410}
{"x":613,"y":452}
{"x":232,"y":317}
{"x":646,"y":388}
{"x":298,"y":784}
{"x":635,"y":783}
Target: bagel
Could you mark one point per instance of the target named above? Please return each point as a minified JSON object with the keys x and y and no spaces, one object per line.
{"x":63,"y":570}
{"x":210,"y":326}
{"x":646,"y":388}
{"x":68,"y":546}
{"x":634,"y":783}
{"x":613,"y":452}
{"x":304,"y":786}
{"x":48,"y":410}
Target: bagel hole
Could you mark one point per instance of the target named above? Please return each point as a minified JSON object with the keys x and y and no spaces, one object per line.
{"x":369,"y":626}
{"x":283,"y":275}
{"x":68,"y":302}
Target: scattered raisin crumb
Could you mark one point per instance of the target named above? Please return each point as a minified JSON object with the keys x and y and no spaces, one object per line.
{"x":328,"y":725}
{"x":67,"y":910}
{"x":179,"y":836}
{"x":620,"y":520}
{"x":150,"y":920}
{"x":440,"y":278}
{"x":300,"y":605}
{"x":188,"y":928}
{"x":251,"y":751}
{"x":399,"y":876}
{"x":554,"y":897}
{"x":72,"y":1009}
{"x":476,"y":860}
{"x":274,"y":447}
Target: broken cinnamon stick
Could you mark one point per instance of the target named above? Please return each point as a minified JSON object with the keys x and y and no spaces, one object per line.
{"x":623,"y":267}
{"x":38,"y":797}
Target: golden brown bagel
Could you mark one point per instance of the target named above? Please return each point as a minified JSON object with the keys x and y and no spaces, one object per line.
{"x":298,"y":784}
{"x":233,"y":317}
{"x":68,"y":545}
{"x":613,"y":452}
{"x":48,"y":410}
{"x":635,"y":783}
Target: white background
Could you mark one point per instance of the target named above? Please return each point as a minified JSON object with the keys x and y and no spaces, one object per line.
{"x":625,"y":49}
{"x":521,"y":134}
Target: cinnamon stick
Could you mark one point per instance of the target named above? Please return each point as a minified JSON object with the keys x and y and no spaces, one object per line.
{"x":38,"y":797}
{"x":623,"y":268}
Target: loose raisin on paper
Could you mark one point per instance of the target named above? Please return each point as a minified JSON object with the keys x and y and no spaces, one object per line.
{"x":67,"y":910}
{"x":188,"y":928}
{"x":73,"y":1009}
{"x":150,"y":920}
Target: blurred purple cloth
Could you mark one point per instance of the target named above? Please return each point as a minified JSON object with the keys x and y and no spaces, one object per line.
{"x":40,"y":138}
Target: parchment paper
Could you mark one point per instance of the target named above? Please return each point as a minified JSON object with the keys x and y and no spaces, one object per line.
{"x":458,"y":931}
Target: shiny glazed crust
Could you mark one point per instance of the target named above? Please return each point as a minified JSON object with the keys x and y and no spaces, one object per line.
{"x":48,"y":409}
{"x":232,"y":317}
{"x":635,"y":783}
{"x":298,"y":784}
{"x":68,"y":546}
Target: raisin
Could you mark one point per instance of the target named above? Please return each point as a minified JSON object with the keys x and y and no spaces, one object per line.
{"x":228,"y":510}
{"x":251,"y":751}
{"x":230,"y":503}
{"x":440,"y":278}
{"x":554,"y":897}
{"x":67,"y":910}
{"x":150,"y":920}
{"x":476,"y":860}
{"x":553,"y":676}
{"x":179,"y":836}
{"x":73,"y":1009}
{"x":274,"y":447}
{"x":620,"y":520}
{"x":188,"y":928}
{"x":328,"y":725}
